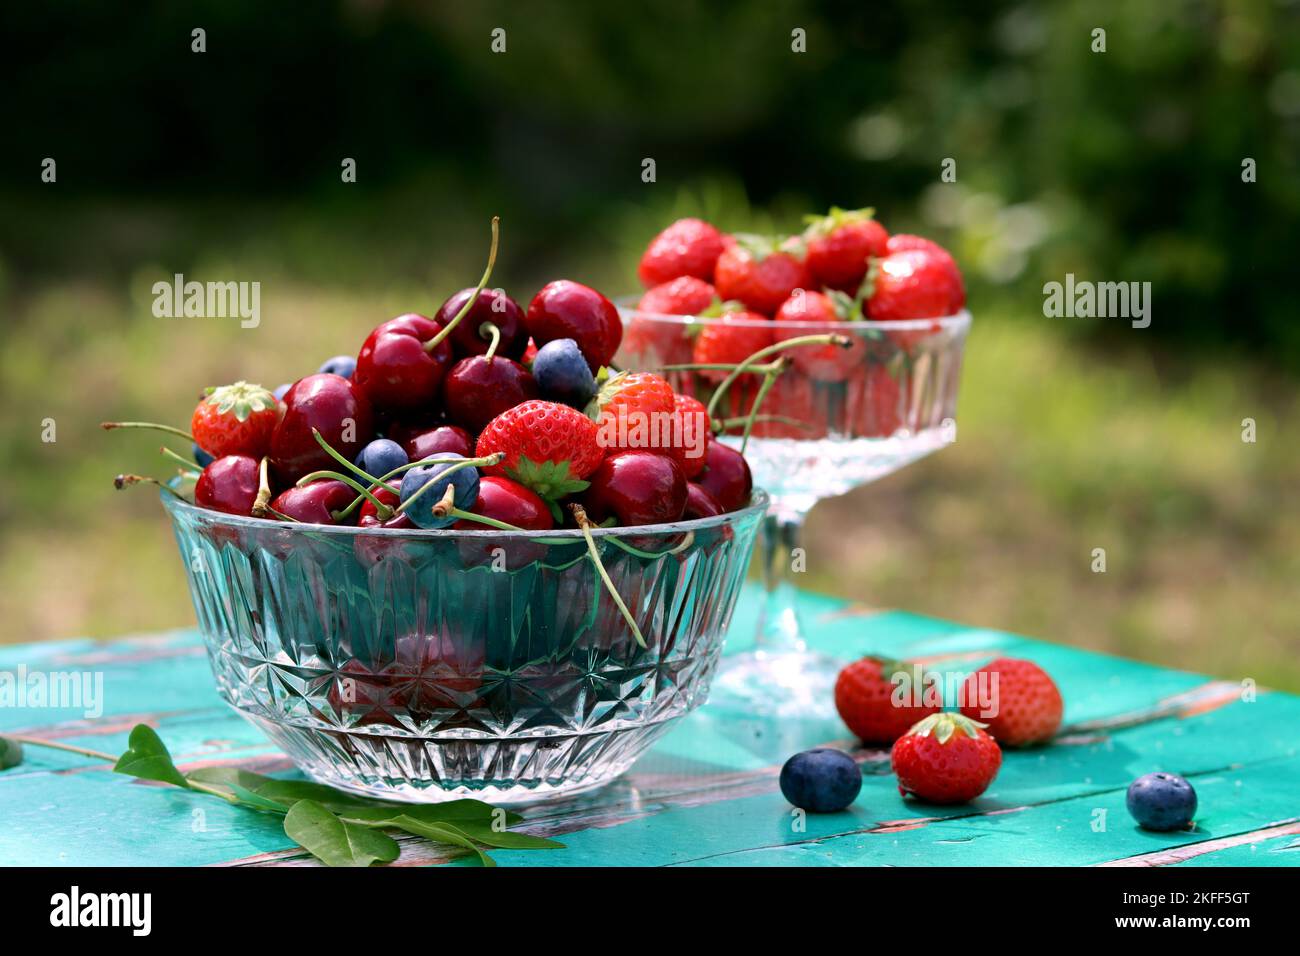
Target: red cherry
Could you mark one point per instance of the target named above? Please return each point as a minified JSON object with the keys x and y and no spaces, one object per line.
{"x":726,"y":475}
{"x":511,"y":502}
{"x":370,"y":549}
{"x":492,"y":305}
{"x":394,"y":369}
{"x":229,"y":484}
{"x":636,"y":488}
{"x":571,"y":310}
{"x":332,"y":405}
{"x":700,"y":502}
{"x":478,"y":389}
{"x":440,"y":440}
{"x":315,"y":503}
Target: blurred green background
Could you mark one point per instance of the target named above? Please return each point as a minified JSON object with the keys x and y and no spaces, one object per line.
{"x":1073,"y":434}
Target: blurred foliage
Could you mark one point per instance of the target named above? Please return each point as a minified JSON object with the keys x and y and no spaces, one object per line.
{"x":1075,"y":434}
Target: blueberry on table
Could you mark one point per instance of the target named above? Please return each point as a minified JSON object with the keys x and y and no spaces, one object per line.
{"x":341,"y":365}
{"x":562,"y":374}
{"x":821,"y":780}
{"x":1162,"y":801}
{"x":380,"y":457}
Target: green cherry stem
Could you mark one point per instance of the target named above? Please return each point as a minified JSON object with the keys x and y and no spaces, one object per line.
{"x":121,"y":481}
{"x":833,"y":338}
{"x":724,"y":424}
{"x":382,"y":511}
{"x":715,"y":366}
{"x":491,"y":329}
{"x":482,"y":519}
{"x":580,"y":515}
{"x":457,"y":464}
{"x":181,"y":459}
{"x":350,"y":466}
{"x":434,"y":342}
{"x":109,"y":426}
{"x":262,"y":503}
{"x":768,"y":380}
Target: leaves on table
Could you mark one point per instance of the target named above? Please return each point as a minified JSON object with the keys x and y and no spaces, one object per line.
{"x":11,"y":753}
{"x":146,"y":757}
{"x":336,"y":842}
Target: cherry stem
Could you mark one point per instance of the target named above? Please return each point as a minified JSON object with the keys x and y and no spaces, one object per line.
{"x":382,"y":511}
{"x":84,"y":751}
{"x":191,"y":465}
{"x":724,"y":424}
{"x":768,"y":381}
{"x":109,"y":426}
{"x":675,"y":549}
{"x":446,"y":502}
{"x":434,"y":342}
{"x":457,"y":464}
{"x":262,"y":503}
{"x":350,"y":466}
{"x":718,"y":366}
{"x":492,"y":330}
{"x":833,"y":338}
{"x":580,"y":515}
{"x":483,"y":519}
{"x":121,"y":481}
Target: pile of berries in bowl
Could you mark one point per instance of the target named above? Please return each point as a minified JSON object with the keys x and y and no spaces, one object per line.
{"x":475,"y":560}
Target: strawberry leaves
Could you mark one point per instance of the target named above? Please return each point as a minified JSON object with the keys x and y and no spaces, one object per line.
{"x":242,"y":399}
{"x":551,"y":480}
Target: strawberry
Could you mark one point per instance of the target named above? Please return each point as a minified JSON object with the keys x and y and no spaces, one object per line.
{"x":693,"y":427}
{"x":877,"y":403}
{"x":945,"y":758}
{"x":635,"y":411}
{"x":864,"y":696}
{"x":729,"y":341}
{"x":822,"y":312}
{"x":916,"y":284}
{"x":236,"y":420}
{"x":754,"y":271}
{"x":549,"y":447}
{"x":794,"y":400}
{"x":1025,"y":701}
{"x":839,"y":245}
{"x":685,"y":295}
{"x":689,"y":247}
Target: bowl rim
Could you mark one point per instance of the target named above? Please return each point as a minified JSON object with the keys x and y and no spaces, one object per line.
{"x":759,"y":500}
{"x":627,"y":307}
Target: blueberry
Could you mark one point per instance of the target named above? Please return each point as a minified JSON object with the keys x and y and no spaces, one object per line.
{"x":465,"y":481}
{"x":343,"y":365}
{"x":380,"y":457}
{"x":562,"y":374}
{"x":282,"y":390}
{"x":1161,"y":801}
{"x":821,"y":780}
{"x":201,"y":456}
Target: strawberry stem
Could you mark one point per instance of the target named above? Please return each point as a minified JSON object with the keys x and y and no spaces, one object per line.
{"x":109,"y":426}
{"x":434,"y":342}
{"x":580,"y":515}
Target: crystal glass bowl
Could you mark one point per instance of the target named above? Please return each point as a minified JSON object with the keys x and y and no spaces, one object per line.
{"x":429,"y":665}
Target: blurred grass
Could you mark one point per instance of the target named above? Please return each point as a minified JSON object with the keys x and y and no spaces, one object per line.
{"x":1064,"y":444}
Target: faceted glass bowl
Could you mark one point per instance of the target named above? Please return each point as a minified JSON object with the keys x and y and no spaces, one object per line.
{"x":429,"y":665}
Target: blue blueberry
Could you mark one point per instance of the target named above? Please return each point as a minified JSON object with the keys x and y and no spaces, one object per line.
{"x":465,"y":481}
{"x":821,"y":780}
{"x":1162,"y":801}
{"x":282,"y":390}
{"x":380,"y":457}
{"x":562,"y":374}
{"x":201,"y":456}
{"x":343,"y":365}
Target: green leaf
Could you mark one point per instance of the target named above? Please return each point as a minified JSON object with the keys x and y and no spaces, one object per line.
{"x":442,"y":833}
{"x":11,"y":753}
{"x":335,"y":842}
{"x":459,"y":812}
{"x":505,"y":839}
{"x":146,"y":757}
{"x":550,"y":479}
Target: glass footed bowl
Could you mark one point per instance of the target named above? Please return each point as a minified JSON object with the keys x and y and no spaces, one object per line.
{"x":431,"y":665}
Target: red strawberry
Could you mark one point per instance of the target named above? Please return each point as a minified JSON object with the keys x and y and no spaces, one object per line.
{"x":236,"y":420}
{"x":729,"y":341}
{"x":754,"y":271}
{"x":636,"y":412}
{"x":916,"y":284}
{"x":691,"y":428}
{"x":945,"y":758}
{"x":902,"y":242}
{"x":1025,"y":702}
{"x":865,"y":697}
{"x":685,"y":295}
{"x":839,"y":246}
{"x":549,"y":447}
{"x":877,"y":404}
{"x":689,"y":247}
{"x":794,"y":400}
{"x":825,"y":363}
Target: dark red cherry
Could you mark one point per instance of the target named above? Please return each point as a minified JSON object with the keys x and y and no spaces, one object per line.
{"x":315,"y":503}
{"x":440,"y":440}
{"x":636,"y":488}
{"x":229,"y":484}
{"x":726,"y":475}
{"x":470,"y":337}
{"x":479,"y":389}
{"x":395,"y":370}
{"x":571,"y":310}
{"x":371,"y":549}
{"x":700,"y":502}
{"x":508,"y":501}
{"x":332,"y":405}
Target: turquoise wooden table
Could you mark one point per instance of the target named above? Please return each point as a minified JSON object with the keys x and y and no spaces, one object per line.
{"x":707,"y":794}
